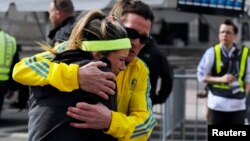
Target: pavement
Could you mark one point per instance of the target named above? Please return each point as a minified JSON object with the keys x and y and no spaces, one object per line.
{"x":13,"y":122}
{"x":13,"y":125}
{"x":195,"y":107}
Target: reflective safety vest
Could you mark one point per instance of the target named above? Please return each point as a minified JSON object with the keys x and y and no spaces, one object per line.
{"x":221,"y":67}
{"x":7,"y":51}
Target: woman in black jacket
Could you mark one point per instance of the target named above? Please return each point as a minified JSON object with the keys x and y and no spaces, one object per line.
{"x":94,"y":37}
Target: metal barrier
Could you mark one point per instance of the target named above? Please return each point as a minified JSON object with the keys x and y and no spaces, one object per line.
{"x":175,"y":105}
{"x":173,"y":112}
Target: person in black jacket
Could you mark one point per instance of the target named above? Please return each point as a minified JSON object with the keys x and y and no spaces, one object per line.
{"x":61,"y":15}
{"x":93,"y":37}
{"x":159,"y":68}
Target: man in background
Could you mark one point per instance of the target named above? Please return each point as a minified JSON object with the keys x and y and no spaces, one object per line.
{"x":61,"y":15}
{"x":225,"y":68}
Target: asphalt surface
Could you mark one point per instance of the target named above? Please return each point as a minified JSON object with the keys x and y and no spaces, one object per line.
{"x":13,"y":125}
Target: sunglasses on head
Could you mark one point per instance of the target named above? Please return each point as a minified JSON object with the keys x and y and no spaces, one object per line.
{"x":133,"y":34}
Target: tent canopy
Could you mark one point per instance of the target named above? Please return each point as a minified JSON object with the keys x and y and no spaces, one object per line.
{"x":42,"y":5}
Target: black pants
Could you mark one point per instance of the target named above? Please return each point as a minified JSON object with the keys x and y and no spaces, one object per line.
{"x":3,"y":91}
{"x":248,"y":108}
{"x":226,"y":118}
{"x":23,"y":96}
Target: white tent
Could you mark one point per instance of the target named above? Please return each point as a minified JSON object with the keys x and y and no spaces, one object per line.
{"x":16,"y":15}
{"x":42,"y":5}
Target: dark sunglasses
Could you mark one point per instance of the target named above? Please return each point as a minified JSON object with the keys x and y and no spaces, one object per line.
{"x":133,"y":34}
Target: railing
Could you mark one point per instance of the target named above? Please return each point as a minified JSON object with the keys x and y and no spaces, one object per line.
{"x":173,"y":111}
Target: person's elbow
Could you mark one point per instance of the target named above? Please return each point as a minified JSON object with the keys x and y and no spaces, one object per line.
{"x":201,"y":77}
{"x":16,"y":74}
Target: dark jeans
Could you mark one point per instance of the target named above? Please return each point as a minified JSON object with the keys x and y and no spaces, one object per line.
{"x":248,"y":108}
{"x":23,"y":96}
{"x":3,"y":91}
{"x":226,"y":118}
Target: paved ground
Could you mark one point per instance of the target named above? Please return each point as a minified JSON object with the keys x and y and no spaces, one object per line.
{"x":13,"y":125}
{"x":195,"y":107}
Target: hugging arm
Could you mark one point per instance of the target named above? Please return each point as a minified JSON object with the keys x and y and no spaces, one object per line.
{"x":137,"y":124}
{"x":39,"y":70}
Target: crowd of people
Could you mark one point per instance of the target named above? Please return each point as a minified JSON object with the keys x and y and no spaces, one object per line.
{"x":98,"y":76}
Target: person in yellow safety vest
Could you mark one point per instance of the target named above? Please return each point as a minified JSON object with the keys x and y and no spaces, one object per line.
{"x":8,"y":58}
{"x":226,"y":71}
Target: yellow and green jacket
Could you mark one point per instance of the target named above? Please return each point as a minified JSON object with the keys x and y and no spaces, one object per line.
{"x":7,"y":54}
{"x":133,"y":121}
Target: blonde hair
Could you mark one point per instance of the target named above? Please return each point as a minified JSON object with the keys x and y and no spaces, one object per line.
{"x":92,"y":25}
